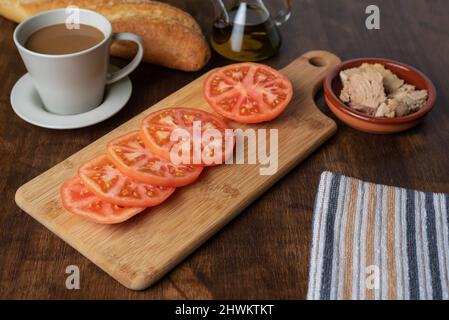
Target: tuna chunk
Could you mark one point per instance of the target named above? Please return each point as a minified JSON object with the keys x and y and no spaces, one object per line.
{"x":414,"y":99}
{"x":391,"y":81}
{"x":375,"y":90}
{"x":363,"y":89}
{"x":392,"y":109}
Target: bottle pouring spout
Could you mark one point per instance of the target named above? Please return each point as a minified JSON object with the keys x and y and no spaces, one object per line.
{"x":223,"y":12}
{"x":280,"y":17}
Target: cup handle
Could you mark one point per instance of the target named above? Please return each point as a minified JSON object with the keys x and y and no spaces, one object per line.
{"x":126,"y":36}
{"x":285,"y":14}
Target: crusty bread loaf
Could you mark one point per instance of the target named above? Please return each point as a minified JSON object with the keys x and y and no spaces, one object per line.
{"x":171,"y":36}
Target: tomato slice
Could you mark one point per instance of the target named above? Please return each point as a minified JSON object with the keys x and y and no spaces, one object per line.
{"x":107,"y":182}
{"x":248,"y":92}
{"x":134,"y":159}
{"x":77,"y":199}
{"x":204,"y":148}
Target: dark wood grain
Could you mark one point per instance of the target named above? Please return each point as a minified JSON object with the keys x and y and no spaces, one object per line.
{"x":264,"y":253}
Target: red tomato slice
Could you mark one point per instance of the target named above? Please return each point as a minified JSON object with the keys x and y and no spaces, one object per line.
{"x":248,"y":92}
{"x":134,"y":159}
{"x":107,"y":182}
{"x":158,"y":128}
{"x":77,"y":199}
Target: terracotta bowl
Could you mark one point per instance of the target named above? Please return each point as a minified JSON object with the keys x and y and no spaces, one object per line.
{"x":370,"y":124}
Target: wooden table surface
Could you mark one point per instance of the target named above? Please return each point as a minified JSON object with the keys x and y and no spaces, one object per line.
{"x":264,"y":253}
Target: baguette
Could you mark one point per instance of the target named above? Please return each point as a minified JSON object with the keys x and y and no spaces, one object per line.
{"x":172,"y":38}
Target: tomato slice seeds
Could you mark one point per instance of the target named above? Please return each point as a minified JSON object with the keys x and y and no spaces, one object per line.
{"x":106,"y":181}
{"x":248,"y":92}
{"x":158,"y":128}
{"x":77,"y":199}
{"x":135,"y":160}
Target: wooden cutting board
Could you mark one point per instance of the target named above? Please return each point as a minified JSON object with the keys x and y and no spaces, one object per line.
{"x":139,"y":252}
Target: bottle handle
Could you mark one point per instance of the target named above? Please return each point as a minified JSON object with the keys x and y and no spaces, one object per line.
{"x":126,"y":36}
{"x":285,"y":14}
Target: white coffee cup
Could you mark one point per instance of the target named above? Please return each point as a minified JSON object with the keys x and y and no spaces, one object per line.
{"x":73,"y":83}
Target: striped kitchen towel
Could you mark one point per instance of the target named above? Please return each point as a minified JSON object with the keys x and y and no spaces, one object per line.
{"x":378,"y":242}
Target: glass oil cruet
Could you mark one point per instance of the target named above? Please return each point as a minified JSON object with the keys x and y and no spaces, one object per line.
{"x":246,"y":31}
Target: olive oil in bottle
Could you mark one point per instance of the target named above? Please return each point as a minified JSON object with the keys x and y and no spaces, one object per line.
{"x":247,"y":33}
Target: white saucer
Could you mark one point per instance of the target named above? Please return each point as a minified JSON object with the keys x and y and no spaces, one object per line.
{"x":27,"y":104}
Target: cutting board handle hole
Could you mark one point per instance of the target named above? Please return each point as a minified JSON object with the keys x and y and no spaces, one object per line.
{"x":318,"y":62}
